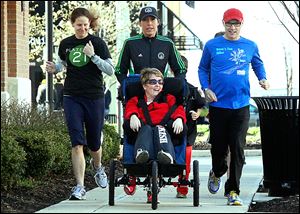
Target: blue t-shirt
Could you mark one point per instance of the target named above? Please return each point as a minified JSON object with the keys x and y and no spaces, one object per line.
{"x":224,"y":68}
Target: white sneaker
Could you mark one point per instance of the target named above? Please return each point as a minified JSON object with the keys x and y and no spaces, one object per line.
{"x":142,"y":156}
{"x":100,"y":176}
{"x":164,"y":157}
{"x":78,"y":193}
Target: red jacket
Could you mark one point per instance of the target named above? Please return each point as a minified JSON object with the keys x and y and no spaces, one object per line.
{"x":157,"y":110}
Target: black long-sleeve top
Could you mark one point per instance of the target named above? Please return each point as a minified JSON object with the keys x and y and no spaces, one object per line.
{"x":145,"y":52}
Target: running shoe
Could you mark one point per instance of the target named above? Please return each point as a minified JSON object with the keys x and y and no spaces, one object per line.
{"x":78,"y":193}
{"x":164,"y":157}
{"x":214,"y":183}
{"x":130,"y":189}
{"x":142,"y":156}
{"x":233,"y":199}
{"x":100,"y":175}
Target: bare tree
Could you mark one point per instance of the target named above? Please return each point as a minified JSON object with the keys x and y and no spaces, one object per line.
{"x":290,"y":10}
{"x":288,"y":73}
{"x":63,"y":28}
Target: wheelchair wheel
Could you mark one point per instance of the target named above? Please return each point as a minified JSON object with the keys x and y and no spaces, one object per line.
{"x":112,"y":166}
{"x":154,"y":186}
{"x":196,"y":183}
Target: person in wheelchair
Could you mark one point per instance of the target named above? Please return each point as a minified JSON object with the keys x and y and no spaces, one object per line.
{"x":154,"y":123}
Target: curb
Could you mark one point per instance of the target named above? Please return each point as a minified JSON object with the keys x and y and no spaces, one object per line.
{"x":206,"y":153}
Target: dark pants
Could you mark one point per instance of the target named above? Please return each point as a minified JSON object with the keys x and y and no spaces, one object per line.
{"x":177,"y":139}
{"x":85,"y":120}
{"x":152,"y":139}
{"x":228,"y":127}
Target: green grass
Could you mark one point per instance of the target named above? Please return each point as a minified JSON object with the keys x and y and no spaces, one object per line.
{"x":253,"y":133}
{"x":202,"y":128}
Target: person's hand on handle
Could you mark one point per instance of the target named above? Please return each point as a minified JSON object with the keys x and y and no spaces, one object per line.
{"x":50,"y":67}
{"x":194,"y":114}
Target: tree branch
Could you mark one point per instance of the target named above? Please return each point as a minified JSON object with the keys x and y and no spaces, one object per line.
{"x":290,"y":13}
{"x":297,"y":5}
{"x":283,"y":23}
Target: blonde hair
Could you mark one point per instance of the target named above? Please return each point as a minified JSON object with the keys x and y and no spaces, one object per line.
{"x":147,"y":72}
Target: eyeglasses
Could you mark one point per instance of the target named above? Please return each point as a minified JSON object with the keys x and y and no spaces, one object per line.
{"x":235,"y":24}
{"x":154,"y":82}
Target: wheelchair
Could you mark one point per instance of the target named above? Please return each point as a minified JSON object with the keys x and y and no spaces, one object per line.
{"x":153,"y":175}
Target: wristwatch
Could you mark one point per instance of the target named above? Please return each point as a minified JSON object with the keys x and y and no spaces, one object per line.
{"x":93,"y":56}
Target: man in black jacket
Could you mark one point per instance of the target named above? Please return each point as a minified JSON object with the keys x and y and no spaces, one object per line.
{"x":149,"y":50}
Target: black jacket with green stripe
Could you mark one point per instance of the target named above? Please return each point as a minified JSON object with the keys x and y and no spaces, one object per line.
{"x":146,"y":52}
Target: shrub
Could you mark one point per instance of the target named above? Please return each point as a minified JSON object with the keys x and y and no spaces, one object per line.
{"x":60,"y":149}
{"x":13,"y":161}
{"x":44,"y":140}
{"x":111,"y":144}
{"x":23,"y":115}
{"x":46,"y":151}
{"x":38,"y":152}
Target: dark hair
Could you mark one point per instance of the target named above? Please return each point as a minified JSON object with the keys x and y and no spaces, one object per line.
{"x":185,"y":61}
{"x":80,"y":11}
{"x":221,"y":33}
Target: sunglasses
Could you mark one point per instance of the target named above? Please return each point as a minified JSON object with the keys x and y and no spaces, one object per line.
{"x":154,"y":82}
{"x":235,"y":24}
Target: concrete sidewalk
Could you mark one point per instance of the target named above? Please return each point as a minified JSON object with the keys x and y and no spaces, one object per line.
{"x":206,"y":153}
{"x":97,"y":199}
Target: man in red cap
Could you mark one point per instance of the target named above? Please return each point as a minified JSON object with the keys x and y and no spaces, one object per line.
{"x":224,"y":77}
{"x":233,"y":14}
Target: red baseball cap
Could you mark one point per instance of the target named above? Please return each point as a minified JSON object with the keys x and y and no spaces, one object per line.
{"x":233,"y":14}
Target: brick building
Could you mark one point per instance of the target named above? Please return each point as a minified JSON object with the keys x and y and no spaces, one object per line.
{"x":15,"y":80}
